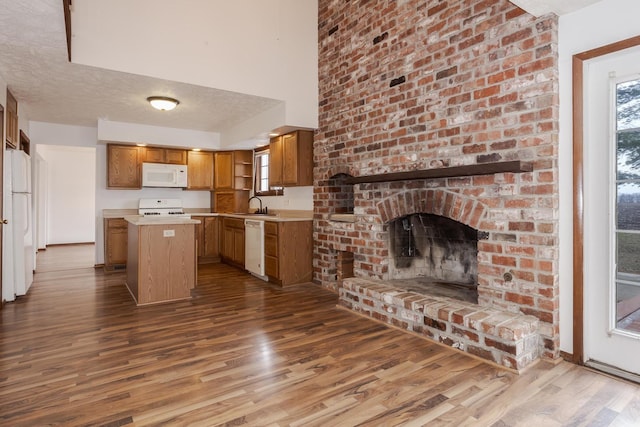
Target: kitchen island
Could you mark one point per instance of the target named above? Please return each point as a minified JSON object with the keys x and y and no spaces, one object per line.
{"x":161,"y":259}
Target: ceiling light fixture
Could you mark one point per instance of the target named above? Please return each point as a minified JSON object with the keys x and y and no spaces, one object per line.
{"x":163,"y":103}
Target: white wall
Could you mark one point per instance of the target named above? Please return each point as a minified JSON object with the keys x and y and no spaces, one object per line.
{"x":71,"y":187}
{"x":605,"y":22}
{"x":258,"y":47}
{"x":294,"y":198}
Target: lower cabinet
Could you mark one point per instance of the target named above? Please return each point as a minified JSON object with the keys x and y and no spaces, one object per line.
{"x":115,"y":244}
{"x":232,"y":250}
{"x":208,"y":239}
{"x":288,"y":251}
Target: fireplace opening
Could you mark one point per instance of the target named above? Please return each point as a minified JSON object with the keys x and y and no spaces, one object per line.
{"x":435,"y":255}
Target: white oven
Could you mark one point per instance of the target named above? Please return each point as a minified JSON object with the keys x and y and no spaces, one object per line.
{"x":164,"y":175}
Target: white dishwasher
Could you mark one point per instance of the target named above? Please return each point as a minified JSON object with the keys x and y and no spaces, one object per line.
{"x":254,"y":247}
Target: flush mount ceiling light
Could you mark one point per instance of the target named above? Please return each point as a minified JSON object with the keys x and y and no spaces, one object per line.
{"x":163,"y":103}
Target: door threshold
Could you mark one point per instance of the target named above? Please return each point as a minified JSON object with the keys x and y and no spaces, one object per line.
{"x":612,"y":370}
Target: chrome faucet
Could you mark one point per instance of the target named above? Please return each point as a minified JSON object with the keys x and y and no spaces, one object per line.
{"x":260,"y":210}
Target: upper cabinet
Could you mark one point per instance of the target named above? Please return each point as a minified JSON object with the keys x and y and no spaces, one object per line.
{"x":12,"y":138}
{"x":291,"y":159}
{"x":233,"y":170}
{"x":200,"y":170}
{"x":165,"y":155}
{"x":123,"y":167}
{"x":223,"y":170}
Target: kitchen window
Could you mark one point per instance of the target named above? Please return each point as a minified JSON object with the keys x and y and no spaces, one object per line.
{"x":261,"y":176}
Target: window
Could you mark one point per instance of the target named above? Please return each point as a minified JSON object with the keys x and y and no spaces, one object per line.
{"x":261,"y":183}
{"x":627,"y":201}
{"x":262,"y":171}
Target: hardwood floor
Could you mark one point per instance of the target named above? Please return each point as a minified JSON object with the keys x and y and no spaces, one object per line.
{"x":76,"y":351}
{"x":66,"y":257}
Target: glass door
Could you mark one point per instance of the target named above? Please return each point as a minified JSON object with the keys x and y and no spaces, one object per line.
{"x":612,"y":213}
{"x":626,"y":227}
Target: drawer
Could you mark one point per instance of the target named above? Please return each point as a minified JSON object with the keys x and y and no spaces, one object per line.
{"x":271,"y":245}
{"x":270,"y":227}
{"x":117,"y":223}
{"x":234,"y":222}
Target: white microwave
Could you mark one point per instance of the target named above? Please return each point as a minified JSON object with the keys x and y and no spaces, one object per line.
{"x":164,"y":175}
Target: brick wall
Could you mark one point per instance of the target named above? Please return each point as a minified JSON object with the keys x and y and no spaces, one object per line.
{"x":411,"y":85}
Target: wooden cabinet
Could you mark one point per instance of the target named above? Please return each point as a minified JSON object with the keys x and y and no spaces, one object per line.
{"x":235,"y":201}
{"x":199,"y":170}
{"x":233,"y":170}
{"x":161,"y":262}
{"x":288,"y":251}
{"x":232,"y":250}
{"x":208,"y":239}
{"x":115,"y":244}
{"x":12,"y":137}
{"x":233,"y":174}
{"x":223,"y":170}
{"x":291,"y":159}
{"x":165,"y":155}
{"x":123,"y":167}
{"x":25,"y":143}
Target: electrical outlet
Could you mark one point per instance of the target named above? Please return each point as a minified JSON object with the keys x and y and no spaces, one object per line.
{"x":169,"y":233}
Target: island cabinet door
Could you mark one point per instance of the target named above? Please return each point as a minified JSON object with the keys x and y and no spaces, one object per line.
{"x":166,"y":262}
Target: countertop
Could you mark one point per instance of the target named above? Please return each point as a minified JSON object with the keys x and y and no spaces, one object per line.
{"x":142,"y":220}
{"x":276,"y":216}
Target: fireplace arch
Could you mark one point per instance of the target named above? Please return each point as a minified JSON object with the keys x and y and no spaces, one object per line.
{"x":456,"y":206}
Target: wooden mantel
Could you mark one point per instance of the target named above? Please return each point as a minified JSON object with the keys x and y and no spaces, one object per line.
{"x":515,"y":166}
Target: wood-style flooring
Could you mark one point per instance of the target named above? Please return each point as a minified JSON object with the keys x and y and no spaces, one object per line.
{"x":76,"y":351}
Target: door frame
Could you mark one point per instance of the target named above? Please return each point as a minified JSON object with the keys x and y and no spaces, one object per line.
{"x":578,"y":185}
{"x":2,"y":149}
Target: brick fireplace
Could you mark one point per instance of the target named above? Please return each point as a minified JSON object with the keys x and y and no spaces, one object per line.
{"x":459,"y":87}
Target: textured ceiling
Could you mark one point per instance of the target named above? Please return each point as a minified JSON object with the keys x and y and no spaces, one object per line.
{"x":33,"y":60}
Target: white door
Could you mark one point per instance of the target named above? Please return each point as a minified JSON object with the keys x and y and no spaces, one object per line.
{"x":612,"y":212}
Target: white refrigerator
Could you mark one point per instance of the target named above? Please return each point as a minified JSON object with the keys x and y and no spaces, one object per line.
{"x":19,"y":254}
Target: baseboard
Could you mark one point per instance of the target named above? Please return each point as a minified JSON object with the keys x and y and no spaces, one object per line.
{"x":68,"y":244}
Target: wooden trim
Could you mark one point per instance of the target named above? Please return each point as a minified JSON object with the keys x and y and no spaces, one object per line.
{"x":609,"y":48}
{"x":578,"y":185}
{"x":578,"y":211}
{"x":515,"y":166}
{"x":66,"y":4}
